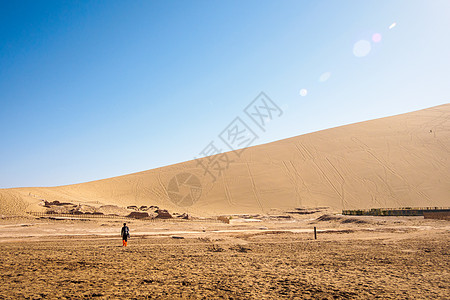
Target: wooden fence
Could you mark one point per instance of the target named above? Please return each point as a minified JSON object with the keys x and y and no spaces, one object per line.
{"x":440,"y":215}
{"x":404,"y":211}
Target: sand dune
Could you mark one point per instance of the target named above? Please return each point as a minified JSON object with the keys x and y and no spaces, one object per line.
{"x":396,"y":161}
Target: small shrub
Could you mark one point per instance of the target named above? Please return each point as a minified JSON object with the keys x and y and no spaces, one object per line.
{"x":215,"y":248}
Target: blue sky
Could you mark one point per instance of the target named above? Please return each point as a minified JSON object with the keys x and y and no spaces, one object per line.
{"x":90,"y":90}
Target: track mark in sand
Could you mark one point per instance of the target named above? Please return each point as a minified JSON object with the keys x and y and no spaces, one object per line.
{"x":296,"y":172}
{"x":429,"y":123}
{"x":254,"y":188}
{"x":137,"y":189}
{"x":300,"y":151}
{"x":269,"y":159}
{"x":164,"y":189}
{"x":299,"y":176}
{"x":391,"y":192}
{"x":424,"y":195}
{"x":227,"y":192}
{"x":306,"y":151}
{"x":382,"y":163}
{"x":311,"y":157}
{"x":293,"y":180}
{"x":442,"y":122}
{"x":367,"y":182}
{"x":339,"y":173}
{"x":410,"y":152}
{"x":154,"y":191}
{"x":443,"y":146}
{"x":342,"y":183}
{"x":388,"y":168}
{"x":375,"y":200}
{"x":366,"y":148}
{"x":329,"y":182}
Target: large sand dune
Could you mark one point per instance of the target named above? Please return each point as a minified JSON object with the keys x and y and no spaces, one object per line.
{"x":396,"y":161}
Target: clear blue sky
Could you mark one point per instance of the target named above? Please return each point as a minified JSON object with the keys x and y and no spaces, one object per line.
{"x":90,"y":90}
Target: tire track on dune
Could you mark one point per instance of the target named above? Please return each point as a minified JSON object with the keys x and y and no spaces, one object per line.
{"x":136,"y":187}
{"x":430,"y":150}
{"x":163,"y":188}
{"x":294,"y":182}
{"x":139,"y":188}
{"x":342,"y":183}
{"x":411,"y":187}
{"x":391,"y":192}
{"x":329,"y":181}
{"x":324,"y":175}
{"x":144,"y":193}
{"x":367,"y":183}
{"x":368,"y":150}
{"x":447,"y":119}
{"x":410,"y":152}
{"x":433,"y":159}
{"x":296,"y":172}
{"x":227,"y":192}
{"x":312,"y":158}
{"x":424,"y":195}
{"x":254,"y":188}
{"x":302,"y":180}
{"x":443,"y":146}
{"x":435,"y":162}
{"x":393,"y":172}
{"x":430,"y":122}
{"x":388,"y":168}
{"x":300,"y":151}
{"x":306,"y":151}
{"x":164,"y":194}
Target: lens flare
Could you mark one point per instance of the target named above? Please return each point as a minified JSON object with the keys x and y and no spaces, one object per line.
{"x":361,"y":48}
{"x":376,"y":37}
{"x":303,"y":92}
{"x":392,"y":25}
{"x":324,"y":77}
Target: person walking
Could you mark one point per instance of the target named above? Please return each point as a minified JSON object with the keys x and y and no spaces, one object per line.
{"x":125,"y":234}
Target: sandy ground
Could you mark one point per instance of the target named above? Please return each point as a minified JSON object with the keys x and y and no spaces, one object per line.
{"x":364,"y":258}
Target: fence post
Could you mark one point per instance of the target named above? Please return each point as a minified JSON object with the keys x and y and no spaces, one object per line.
{"x":315,"y":233}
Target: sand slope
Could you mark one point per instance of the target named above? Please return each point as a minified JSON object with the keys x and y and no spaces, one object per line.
{"x":396,"y":161}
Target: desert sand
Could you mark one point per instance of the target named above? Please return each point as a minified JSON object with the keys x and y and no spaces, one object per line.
{"x":398,"y":161}
{"x":262,"y":246}
{"x":353,"y":258}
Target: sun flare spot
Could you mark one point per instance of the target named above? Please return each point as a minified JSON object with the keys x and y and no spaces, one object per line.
{"x":325,"y":76}
{"x":361,"y":48}
{"x":376,"y":37}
